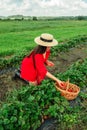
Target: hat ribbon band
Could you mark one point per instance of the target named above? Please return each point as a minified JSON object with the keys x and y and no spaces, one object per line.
{"x":45,"y":40}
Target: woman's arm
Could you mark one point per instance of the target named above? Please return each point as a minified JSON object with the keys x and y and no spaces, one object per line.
{"x":49,"y":75}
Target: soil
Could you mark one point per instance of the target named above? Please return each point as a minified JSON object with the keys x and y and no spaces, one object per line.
{"x":62,"y":61}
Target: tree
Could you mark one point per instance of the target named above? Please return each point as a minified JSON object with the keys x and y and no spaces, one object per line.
{"x":34,"y":18}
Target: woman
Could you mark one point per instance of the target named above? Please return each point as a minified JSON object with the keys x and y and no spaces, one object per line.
{"x":33,"y":67}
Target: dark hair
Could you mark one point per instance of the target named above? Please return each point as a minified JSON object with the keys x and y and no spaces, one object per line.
{"x":40,"y":49}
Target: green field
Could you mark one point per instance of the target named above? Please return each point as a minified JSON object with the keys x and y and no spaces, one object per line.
{"x":16,"y":36}
{"x":23,"y":106}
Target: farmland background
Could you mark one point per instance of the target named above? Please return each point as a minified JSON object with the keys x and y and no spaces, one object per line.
{"x":23,"y":106}
{"x":16,"y":36}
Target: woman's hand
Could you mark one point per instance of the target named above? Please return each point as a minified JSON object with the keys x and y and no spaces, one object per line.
{"x":49,"y":63}
{"x":61,"y":84}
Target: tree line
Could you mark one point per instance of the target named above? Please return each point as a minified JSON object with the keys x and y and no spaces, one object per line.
{"x":35,"y":18}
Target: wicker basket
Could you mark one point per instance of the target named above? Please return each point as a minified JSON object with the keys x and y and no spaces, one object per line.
{"x":69,"y":95}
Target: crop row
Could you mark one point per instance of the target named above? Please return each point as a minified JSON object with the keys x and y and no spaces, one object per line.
{"x":61,"y":47}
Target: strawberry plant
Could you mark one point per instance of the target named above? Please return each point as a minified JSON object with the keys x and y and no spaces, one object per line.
{"x":27,"y":106}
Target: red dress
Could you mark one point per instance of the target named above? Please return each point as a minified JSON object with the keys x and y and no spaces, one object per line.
{"x":28,"y":71}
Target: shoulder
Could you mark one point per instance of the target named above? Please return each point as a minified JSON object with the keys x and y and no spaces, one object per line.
{"x":39,"y":57}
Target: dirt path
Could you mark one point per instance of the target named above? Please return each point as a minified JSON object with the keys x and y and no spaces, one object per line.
{"x":62,"y":61}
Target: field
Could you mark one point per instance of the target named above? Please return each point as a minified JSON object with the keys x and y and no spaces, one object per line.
{"x":16,"y":36}
{"x":28,"y":107}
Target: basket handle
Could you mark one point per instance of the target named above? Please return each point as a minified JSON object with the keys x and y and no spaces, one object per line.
{"x":67,"y":84}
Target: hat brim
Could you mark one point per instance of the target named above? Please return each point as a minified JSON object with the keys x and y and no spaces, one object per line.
{"x":42,"y":43}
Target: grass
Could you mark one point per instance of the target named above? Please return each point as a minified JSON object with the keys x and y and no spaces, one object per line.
{"x":16,"y":36}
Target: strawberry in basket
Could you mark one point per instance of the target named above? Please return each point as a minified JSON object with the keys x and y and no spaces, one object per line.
{"x":68,"y":90}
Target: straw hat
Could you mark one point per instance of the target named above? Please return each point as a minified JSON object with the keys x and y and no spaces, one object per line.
{"x":46,"y":40}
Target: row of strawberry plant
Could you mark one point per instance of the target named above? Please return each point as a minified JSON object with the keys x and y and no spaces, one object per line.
{"x":26,"y":107}
{"x":14,"y":60}
{"x":77,"y":74}
{"x":69,"y":44}
{"x":61,"y":47}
